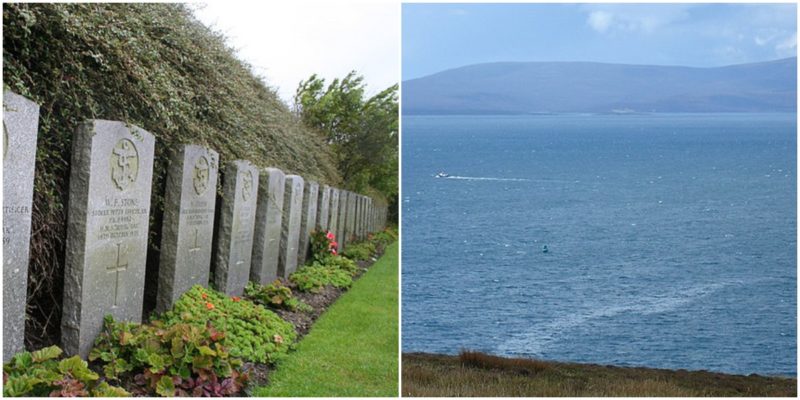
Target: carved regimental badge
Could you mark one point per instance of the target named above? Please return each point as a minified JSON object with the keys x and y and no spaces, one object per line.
{"x":247,"y":185}
{"x":124,"y":164}
{"x":201,"y":175}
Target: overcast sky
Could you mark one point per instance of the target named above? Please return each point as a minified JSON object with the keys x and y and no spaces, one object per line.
{"x":443,"y":36}
{"x":287,"y":41}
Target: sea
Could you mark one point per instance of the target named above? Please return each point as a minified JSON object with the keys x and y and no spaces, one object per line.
{"x":657,"y":240}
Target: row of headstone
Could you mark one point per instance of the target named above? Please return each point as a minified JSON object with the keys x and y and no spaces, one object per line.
{"x":258,"y":232}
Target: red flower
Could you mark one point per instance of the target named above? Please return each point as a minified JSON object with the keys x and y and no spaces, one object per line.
{"x":332,"y":245}
{"x":209,"y":306}
{"x":333,"y":252}
{"x":204,"y":296}
{"x":236,"y":298}
{"x":330,"y":236}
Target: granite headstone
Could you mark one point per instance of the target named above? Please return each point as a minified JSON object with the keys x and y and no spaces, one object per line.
{"x":290,"y":231}
{"x":269,"y":218}
{"x":188,"y":227}
{"x":107,"y":229}
{"x":333,"y":212}
{"x":308,"y":220}
{"x":235,"y":228}
{"x":20,"y":129}
{"x":323,"y":208}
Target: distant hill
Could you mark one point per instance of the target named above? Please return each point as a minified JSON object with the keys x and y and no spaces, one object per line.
{"x":555,"y":87}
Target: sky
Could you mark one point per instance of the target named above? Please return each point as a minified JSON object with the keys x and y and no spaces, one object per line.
{"x":437,"y":37}
{"x":286,"y":42}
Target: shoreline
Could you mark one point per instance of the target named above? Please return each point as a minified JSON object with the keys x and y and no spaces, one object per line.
{"x":480,"y":374}
{"x":609,"y":365}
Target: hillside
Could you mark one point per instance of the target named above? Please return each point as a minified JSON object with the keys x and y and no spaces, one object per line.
{"x":152,"y":65}
{"x":557,"y":87}
{"x":473,"y":374}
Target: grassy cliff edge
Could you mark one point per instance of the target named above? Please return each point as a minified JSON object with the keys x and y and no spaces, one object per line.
{"x":472,"y":374}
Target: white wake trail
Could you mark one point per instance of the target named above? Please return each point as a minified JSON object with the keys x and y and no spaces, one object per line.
{"x":543,"y":336}
{"x":476,"y":178}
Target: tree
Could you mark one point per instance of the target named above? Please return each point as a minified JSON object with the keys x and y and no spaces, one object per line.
{"x":362,"y":132}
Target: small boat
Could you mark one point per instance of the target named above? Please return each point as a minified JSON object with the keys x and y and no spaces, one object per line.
{"x":442,"y":175}
{"x":545,"y":249}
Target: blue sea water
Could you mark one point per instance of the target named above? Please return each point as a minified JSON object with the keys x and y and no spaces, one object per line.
{"x":671,"y":239}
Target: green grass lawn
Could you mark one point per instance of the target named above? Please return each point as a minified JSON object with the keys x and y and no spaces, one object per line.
{"x":352,"y":350}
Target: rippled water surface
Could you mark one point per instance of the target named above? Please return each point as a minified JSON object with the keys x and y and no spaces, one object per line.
{"x":670,"y":238}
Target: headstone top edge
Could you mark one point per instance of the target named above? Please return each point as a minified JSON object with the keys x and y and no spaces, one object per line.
{"x":16,"y":97}
{"x":137,"y":132}
{"x":273,"y":170}
{"x":243,"y":163}
{"x":195,"y":146}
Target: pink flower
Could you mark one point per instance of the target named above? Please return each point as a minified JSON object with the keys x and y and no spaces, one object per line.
{"x":330,"y":236}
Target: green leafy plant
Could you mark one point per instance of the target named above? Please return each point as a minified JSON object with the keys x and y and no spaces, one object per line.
{"x":176,"y":360}
{"x":41,"y":373}
{"x":342,"y":263}
{"x":275,"y":295}
{"x":384,"y":237}
{"x":252,"y":332}
{"x":360,"y":251}
{"x":312,"y":278}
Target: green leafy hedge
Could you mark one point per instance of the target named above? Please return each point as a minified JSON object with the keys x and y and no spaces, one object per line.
{"x":337,"y":271}
{"x":251,"y":331}
{"x":275,"y":295}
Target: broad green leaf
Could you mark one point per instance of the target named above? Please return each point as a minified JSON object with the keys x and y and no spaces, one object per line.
{"x":77,"y":368}
{"x":46,"y":353}
{"x":106,"y":390}
{"x":23,"y":360}
{"x":165,"y":387}
{"x":17,"y":387}
{"x":206,"y":351}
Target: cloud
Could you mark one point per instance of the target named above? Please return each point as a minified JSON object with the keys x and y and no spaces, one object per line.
{"x":787,"y":47}
{"x":644,"y":18}
{"x":600,"y":20}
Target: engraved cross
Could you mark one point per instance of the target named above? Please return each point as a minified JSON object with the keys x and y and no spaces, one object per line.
{"x":240,"y":253}
{"x":192,"y":251}
{"x":116,"y":269}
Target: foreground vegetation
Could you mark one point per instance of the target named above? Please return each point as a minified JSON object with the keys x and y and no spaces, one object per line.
{"x":482,"y":375}
{"x":209,"y":343}
{"x":352,"y":349}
